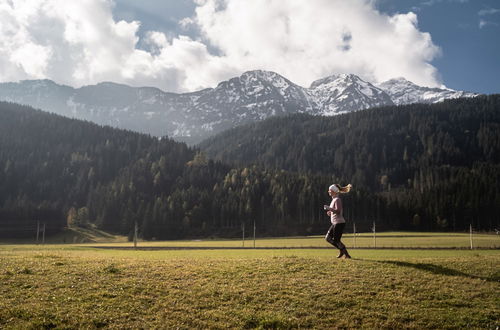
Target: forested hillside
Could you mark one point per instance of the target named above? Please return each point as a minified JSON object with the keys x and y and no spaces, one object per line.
{"x":418,"y":167}
{"x":51,"y":166}
{"x":440,"y":161}
{"x":56,"y":170}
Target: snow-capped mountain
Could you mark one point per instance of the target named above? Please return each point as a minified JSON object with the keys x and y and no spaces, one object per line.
{"x":255,"y":95}
{"x":346,"y":93}
{"x":191,"y":117}
{"x":403,"y":91}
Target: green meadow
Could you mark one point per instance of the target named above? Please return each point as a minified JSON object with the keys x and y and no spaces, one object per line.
{"x":294,"y":283}
{"x":365,"y":240}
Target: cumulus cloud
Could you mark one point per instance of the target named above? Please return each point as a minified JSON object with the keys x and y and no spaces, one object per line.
{"x":79,"y":42}
{"x":71,"y":42}
{"x":305,"y":40}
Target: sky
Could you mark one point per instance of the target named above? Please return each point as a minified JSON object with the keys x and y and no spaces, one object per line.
{"x":187,"y":45}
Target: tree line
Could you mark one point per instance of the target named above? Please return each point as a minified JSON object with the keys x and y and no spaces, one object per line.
{"x":420,"y":167}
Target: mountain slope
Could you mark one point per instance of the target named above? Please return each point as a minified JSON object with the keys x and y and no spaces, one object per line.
{"x":396,"y":142}
{"x":403,"y":91}
{"x":57,"y":170}
{"x":191,"y":117}
{"x":50,"y":164}
{"x":433,"y":159}
{"x":346,"y":93}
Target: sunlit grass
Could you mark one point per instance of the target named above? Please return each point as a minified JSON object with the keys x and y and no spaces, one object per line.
{"x":360,"y":240}
{"x":364,"y":240}
{"x":70,"y":286}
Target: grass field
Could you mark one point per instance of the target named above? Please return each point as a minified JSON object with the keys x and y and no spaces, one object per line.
{"x":78,"y":286}
{"x":364,"y":240}
{"x":96,"y":237}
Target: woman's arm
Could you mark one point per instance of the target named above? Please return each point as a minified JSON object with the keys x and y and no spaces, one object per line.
{"x":331,"y":209}
{"x":336,"y":206}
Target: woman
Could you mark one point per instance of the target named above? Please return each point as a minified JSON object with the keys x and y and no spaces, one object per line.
{"x":334,"y":211}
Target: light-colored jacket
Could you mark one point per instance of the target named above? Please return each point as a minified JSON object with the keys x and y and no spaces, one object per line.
{"x":336,"y":205}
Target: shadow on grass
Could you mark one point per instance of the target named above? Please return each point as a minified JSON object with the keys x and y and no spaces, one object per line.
{"x":438,"y":270}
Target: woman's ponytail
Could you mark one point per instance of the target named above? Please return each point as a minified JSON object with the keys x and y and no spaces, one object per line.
{"x":346,"y":189}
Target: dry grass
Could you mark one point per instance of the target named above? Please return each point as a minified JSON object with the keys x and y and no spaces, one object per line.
{"x":85,"y":288}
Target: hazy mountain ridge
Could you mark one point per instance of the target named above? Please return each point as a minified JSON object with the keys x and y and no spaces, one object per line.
{"x":253,"y":96}
{"x":403,"y":92}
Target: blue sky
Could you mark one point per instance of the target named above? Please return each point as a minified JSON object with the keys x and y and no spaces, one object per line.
{"x":187,"y":45}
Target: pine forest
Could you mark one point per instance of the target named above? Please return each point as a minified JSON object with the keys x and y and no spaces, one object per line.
{"x":415,"y":167}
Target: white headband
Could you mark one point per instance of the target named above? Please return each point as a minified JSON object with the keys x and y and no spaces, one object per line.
{"x":334,"y":188}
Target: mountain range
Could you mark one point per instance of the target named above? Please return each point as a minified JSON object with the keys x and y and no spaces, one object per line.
{"x":192,"y":117}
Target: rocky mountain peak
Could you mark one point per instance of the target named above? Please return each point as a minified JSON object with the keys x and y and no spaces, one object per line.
{"x":403,"y":91}
{"x":336,"y":79}
{"x":191,"y":117}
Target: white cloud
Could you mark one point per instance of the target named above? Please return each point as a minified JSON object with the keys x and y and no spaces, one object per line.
{"x":68,"y":41}
{"x":488,"y":11}
{"x":186,"y":22}
{"x":434,"y":2}
{"x":78,"y":43}
{"x":483,"y":23}
{"x":306,"y":40}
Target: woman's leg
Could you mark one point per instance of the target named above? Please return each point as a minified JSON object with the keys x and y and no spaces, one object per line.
{"x":329,"y":235}
{"x":337,"y":235}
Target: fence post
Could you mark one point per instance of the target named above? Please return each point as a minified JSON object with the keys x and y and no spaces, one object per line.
{"x":354,"y":230}
{"x":135,"y":236}
{"x":470,"y":230}
{"x":243,"y":228}
{"x":374,"y":236}
{"x":254,"y":233}
{"x":43,"y":235}
{"x":37,"y":230}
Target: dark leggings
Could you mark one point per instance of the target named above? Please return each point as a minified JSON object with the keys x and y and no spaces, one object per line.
{"x":334,"y":235}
